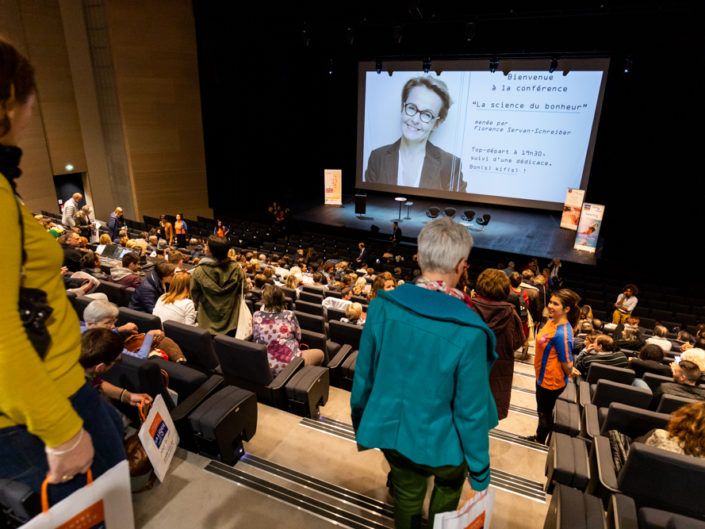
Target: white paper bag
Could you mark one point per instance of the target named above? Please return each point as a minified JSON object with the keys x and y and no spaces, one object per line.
{"x":159,"y":437}
{"x":475,"y":514}
{"x":105,"y":503}
{"x":244,"y":321}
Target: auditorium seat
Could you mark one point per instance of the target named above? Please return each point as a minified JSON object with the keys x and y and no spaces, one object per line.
{"x":599,"y":371}
{"x":334,"y":314}
{"x":245,"y":364}
{"x":145,"y":322}
{"x":309,"y":308}
{"x":607,"y":391}
{"x":310,"y":297}
{"x":196,"y":344}
{"x":570,"y":508}
{"x":345,"y":333}
{"x":115,"y":292}
{"x":80,"y":303}
{"x":433,"y":212}
{"x":629,"y":420}
{"x":312,"y":322}
{"x":670,"y":403}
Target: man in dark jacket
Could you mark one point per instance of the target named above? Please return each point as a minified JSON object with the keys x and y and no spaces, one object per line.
{"x":116,"y":222}
{"x":70,"y":242}
{"x":685,"y":380}
{"x":154,"y":285}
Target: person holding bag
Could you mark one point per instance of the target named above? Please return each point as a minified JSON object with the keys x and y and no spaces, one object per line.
{"x":52,"y":424}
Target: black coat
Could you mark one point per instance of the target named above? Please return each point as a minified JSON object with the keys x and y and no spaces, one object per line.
{"x":147,"y":293}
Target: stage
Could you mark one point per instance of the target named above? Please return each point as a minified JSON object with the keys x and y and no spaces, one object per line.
{"x":510,"y":230}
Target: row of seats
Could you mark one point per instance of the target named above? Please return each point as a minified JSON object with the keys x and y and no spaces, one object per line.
{"x":653,"y":489}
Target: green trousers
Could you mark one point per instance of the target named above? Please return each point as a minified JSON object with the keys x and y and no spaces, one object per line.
{"x":409,"y":483}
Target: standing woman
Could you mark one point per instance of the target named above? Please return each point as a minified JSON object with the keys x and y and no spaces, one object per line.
{"x":553,"y":360}
{"x":52,"y":423}
{"x":492,"y":306}
{"x":221,"y":230}
{"x":180,"y":229}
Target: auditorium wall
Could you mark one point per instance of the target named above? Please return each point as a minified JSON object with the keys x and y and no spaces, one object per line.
{"x":153,"y":52}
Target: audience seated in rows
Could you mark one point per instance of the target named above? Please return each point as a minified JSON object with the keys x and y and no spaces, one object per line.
{"x":685,"y":380}
{"x":278,"y":329}
{"x":685,"y":433}
{"x":660,"y":338}
{"x":649,"y":360}
{"x":101,"y":313}
{"x":153,"y":286}
{"x":126,"y":275}
{"x":176,"y":304}
{"x":601,"y":351}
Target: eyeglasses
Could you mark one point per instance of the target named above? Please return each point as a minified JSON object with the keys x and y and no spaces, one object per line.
{"x":424,"y":115}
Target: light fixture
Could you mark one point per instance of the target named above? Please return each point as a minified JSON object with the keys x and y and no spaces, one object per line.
{"x":554,"y":65}
{"x":68,"y":167}
{"x":378,"y":66}
{"x":494,"y":64}
{"x":470,"y":30}
{"x":427,"y":65}
{"x":330,"y":66}
{"x":627,"y":64}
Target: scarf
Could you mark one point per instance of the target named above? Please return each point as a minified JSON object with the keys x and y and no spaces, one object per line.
{"x":440,"y":286}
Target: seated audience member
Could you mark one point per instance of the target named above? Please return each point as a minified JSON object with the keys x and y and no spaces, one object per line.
{"x":684,"y":337}
{"x":177,"y":259}
{"x":90,"y":264}
{"x":360,"y":287}
{"x":71,"y":242}
{"x":584,"y":328}
{"x":597,"y":324}
{"x":585,"y":313}
{"x":602,"y":351}
{"x":660,"y":338}
{"x":685,"y":380}
{"x":278,"y":329}
{"x":695,"y":355}
{"x":318,"y":282}
{"x":628,"y":337}
{"x":154,"y":285}
{"x":102,"y":313}
{"x":100,"y":349}
{"x":216,"y":284}
{"x":176,"y":304}
{"x":104,"y":239}
{"x":649,"y":361}
{"x":685,"y":433}
{"x":126,"y":275}
{"x":294,"y":281}
{"x":354,"y":314}
{"x":339,"y":303}
{"x":625,"y":304}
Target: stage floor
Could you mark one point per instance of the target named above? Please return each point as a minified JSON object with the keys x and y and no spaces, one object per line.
{"x":511,"y":230}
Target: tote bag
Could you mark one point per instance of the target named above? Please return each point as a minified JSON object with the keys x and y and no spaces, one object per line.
{"x":105,"y":502}
{"x":475,"y":514}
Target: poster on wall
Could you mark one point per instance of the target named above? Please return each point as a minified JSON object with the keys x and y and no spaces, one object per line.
{"x":571,"y":208}
{"x":589,"y":227}
{"x":333,"y":191}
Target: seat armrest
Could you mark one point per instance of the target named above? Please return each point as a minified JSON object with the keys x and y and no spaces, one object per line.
{"x":286,"y":373}
{"x":602,"y":454}
{"x":621,"y":513}
{"x":585,"y":396}
{"x":191,"y":402}
{"x":591,"y":422}
{"x":340,"y":356}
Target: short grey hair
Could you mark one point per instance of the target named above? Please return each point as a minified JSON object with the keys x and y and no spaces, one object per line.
{"x":442,"y":244}
{"x":99,"y":310}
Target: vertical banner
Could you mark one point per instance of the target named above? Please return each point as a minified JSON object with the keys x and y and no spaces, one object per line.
{"x":589,"y":227}
{"x":333,"y":182}
{"x":571,"y":208}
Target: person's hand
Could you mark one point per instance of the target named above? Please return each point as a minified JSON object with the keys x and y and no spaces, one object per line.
{"x":157,"y":332}
{"x":136,"y":399}
{"x":471,"y":495}
{"x":129,"y":327}
{"x":75,"y":456}
{"x":64,"y":270}
{"x":574,"y":373}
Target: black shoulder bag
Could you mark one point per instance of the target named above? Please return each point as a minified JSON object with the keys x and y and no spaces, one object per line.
{"x":33,"y":306}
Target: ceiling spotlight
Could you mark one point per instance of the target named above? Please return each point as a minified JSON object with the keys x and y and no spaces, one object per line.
{"x":554,"y":65}
{"x":330,"y":66}
{"x":378,"y":66}
{"x":470,"y":30}
{"x":494,"y":64}
{"x":427,"y":65}
{"x":627,"y":64}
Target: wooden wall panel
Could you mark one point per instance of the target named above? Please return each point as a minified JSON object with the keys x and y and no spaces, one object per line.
{"x":156,"y":69}
{"x":36,"y":184}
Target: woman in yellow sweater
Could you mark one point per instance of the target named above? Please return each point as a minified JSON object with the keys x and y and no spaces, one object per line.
{"x":52,"y":424}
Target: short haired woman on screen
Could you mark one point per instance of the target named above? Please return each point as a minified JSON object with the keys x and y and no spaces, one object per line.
{"x":413,"y":161}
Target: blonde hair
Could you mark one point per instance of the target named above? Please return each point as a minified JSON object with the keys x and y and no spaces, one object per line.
{"x":354,"y":311}
{"x":179,"y":288}
{"x":292,"y":281}
{"x":105,"y":239}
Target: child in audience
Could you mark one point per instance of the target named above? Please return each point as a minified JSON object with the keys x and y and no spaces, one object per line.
{"x":100,"y":349}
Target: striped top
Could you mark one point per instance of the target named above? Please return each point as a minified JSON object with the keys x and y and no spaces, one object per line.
{"x":554,"y":344}
{"x":610,"y":358}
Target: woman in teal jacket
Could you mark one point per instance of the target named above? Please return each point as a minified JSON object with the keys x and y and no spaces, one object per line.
{"x":421,"y":389}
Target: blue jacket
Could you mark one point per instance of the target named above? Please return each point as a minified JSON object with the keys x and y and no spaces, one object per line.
{"x":147,"y":293}
{"x":421,"y":383}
